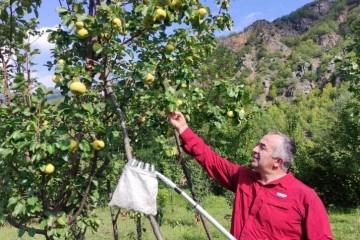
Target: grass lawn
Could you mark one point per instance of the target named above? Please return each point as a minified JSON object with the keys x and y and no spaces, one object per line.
{"x":179,"y":222}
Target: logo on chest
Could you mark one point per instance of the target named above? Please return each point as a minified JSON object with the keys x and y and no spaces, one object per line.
{"x":281,"y":195}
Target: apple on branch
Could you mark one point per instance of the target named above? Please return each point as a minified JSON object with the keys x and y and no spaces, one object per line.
{"x":98,"y":145}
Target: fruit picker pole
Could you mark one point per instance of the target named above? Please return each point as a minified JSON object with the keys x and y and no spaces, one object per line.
{"x":190,"y":184}
{"x":121,"y":119}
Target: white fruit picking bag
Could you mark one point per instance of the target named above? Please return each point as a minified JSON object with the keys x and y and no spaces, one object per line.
{"x":137,"y":189}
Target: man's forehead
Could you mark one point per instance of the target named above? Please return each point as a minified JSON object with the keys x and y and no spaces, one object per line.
{"x":271,"y":140}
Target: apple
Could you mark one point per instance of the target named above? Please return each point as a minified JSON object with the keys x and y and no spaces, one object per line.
{"x":105,"y":36}
{"x":142,"y":119}
{"x":149,"y":79}
{"x":73,"y":146}
{"x":57,"y":79}
{"x":148,"y":21}
{"x":179,"y":102}
{"x":189,"y":59}
{"x":45,"y":123}
{"x":79,"y":24}
{"x":160,"y":14}
{"x":117,"y":23}
{"x":183,"y":85}
{"x":26,"y":3}
{"x":230,"y":114}
{"x":175,"y":4}
{"x":82,"y":33}
{"x":202,"y":12}
{"x":169,"y":47}
{"x":96,"y":47}
{"x":61,"y":61}
{"x":49,"y":168}
{"x":77,"y":88}
{"x":169,"y":133}
{"x":98,"y":145}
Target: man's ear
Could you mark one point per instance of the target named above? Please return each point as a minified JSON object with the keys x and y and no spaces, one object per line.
{"x":278,"y":162}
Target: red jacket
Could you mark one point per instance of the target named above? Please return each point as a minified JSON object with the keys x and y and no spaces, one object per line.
{"x":283,"y":209}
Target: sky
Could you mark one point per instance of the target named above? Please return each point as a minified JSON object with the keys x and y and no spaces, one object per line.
{"x":243,"y":13}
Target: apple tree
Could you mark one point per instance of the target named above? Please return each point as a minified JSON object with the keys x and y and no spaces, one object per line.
{"x":118,"y":65}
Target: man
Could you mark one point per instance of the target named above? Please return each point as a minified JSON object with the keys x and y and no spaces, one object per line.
{"x":270,"y":203}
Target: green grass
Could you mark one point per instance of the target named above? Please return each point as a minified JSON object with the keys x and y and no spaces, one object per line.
{"x":179,"y":222}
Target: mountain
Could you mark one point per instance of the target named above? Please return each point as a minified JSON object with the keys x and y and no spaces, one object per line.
{"x":295,"y":53}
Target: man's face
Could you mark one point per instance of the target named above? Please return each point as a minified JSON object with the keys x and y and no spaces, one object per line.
{"x":262,"y":153}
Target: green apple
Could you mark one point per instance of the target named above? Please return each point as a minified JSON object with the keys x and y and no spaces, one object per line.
{"x":77,"y":88}
{"x":148,"y":21}
{"x":160,"y":14}
{"x":73,"y":146}
{"x":82,"y":33}
{"x":96,"y":47}
{"x":26,"y":3}
{"x":98,"y":145}
{"x":169,"y":47}
{"x":230,"y":114}
{"x":49,"y":168}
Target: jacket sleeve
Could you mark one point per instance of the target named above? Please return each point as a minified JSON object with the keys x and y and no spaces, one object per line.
{"x":317,"y":225}
{"x":222,"y":170}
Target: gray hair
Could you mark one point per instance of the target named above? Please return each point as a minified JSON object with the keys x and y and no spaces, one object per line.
{"x":285,"y":150}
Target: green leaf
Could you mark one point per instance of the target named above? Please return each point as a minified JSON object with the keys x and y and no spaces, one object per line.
{"x":62,"y":220}
{"x":32,"y":201}
{"x":20,"y":207}
{"x":61,"y":10}
{"x":31,"y":232}
{"x":5,"y":152}
{"x":21,"y":232}
{"x":88,"y":107}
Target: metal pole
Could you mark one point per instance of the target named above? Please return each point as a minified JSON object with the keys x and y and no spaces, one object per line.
{"x":195,"y":205}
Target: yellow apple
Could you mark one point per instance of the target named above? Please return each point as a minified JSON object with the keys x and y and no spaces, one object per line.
{"x":117,"y":22}
{"x":82,"y":33}
{"x":179,"y":102}
{"x":142,"y":119}
{"x":105,"y":36}
{"x":45,"y":123}
{"x":183,"y":85}
{"x":79,"y":24}
{"x":98,"y":145}
{"x":230,"y":114}
{"x":73,"y":146}
{"x":202,"y":12}
{"x":175,"y":4}
{"x":77,"y":88}
{"x":160,"y":14}
{"x":57,"y":79}
{"x":49,"y":168}
{"x":149,"y":79}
